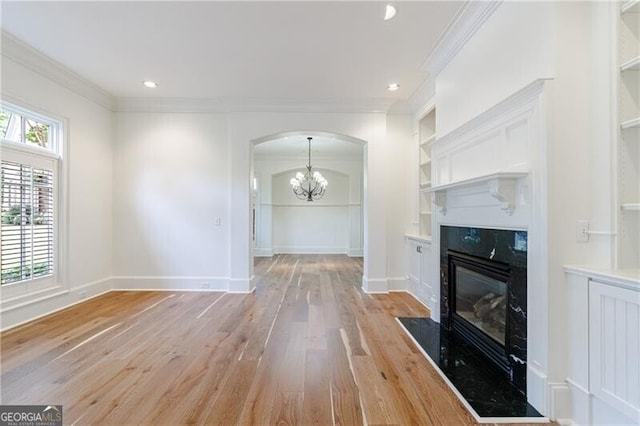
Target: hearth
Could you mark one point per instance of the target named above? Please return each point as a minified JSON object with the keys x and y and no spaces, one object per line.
{"x":484,"y":295}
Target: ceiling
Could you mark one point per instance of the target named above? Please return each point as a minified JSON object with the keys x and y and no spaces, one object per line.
{"x":297,"y":146}
{"x":325,"y":51}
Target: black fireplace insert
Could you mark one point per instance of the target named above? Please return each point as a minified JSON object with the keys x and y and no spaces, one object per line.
{"x":483,"y":295}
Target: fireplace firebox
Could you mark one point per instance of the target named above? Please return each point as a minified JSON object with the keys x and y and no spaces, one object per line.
{"x":479,"y":298}
{"x":483,"y":295}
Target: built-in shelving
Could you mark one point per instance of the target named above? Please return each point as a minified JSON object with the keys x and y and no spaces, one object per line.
{"x":628,"y":143}
{"x":427,"y":135}
{"x":631,"y":206}
{"x":429,"y":140}
{"x":500,"y":185}
{"x":631,"y":65}
{"x":631,"y":6}
{"x":630,"y":124}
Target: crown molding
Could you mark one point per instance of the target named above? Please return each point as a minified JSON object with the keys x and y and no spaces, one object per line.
{"x":471,"y":16}
{"x":25,"y":55}
{"x":422,"y":99}
{"x":226,"y":105}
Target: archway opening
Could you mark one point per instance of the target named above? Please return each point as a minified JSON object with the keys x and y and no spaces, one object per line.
{"x":281,"y":223}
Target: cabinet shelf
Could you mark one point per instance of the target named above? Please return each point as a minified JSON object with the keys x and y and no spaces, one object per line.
{"x":632,"y":6}
{"x":424,"y":186}
{"x":630,"y":124}
{"x":631,"y":206}
{"x":631,"y":65}
{"x":425,"y":213}
{"x":425,"y":163}
{"x":428,"y":141}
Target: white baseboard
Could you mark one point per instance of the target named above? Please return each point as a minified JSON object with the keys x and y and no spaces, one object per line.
{"x":397,"y":284}
{"x":262,"y":252}
{"x":537,"y":389}
{"x":30,"y":310}
{"x":579,"y":405}
{"x":380,"y":285}
{"x":423,"y":303}
{"x":171,"y":283}
{"x":560,"y":402}
{"x":241,"y":285}
{"x":355,"y":252}
{"x":310,"y":250}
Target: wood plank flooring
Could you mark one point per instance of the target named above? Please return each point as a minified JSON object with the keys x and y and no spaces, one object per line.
{"x":307,"y":347}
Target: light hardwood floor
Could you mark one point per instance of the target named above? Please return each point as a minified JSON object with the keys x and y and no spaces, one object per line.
{"x":307,"y":347}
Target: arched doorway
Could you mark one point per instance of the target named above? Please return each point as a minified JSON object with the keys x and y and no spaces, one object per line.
{"x":283,"y":224}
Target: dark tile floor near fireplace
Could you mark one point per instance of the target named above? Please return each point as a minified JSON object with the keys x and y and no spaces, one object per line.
{"x":477,"y":380}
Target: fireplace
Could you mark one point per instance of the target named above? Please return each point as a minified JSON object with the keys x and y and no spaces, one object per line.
{"x":479,"y":305}
{"x":483,"y":295}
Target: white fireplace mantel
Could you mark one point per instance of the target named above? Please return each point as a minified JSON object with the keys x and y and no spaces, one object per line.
{"x":500,"y":185}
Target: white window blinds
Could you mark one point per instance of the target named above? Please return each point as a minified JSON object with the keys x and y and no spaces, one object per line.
{"x":27,"y":221}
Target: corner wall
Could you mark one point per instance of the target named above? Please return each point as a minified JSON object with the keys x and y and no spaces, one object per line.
{"x":87,"y":234}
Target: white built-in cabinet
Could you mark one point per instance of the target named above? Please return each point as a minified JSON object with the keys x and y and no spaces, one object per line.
{"x":604,"y":346}
{"x":629,"y":135}
{"x":420,"y":267}
{"x":427,"y":135}
{"x":419,"y":279}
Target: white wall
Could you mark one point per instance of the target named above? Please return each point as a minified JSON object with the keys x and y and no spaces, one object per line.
{"x":87,"y":235}
{"x":171,"y":185}
{"x":513,"y":48}
{"x":286,"y":224}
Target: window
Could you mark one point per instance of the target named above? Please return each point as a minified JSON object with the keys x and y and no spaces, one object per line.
{"x":28,"y":198}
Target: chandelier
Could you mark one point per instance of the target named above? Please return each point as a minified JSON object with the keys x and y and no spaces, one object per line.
{"x":309,"y":185}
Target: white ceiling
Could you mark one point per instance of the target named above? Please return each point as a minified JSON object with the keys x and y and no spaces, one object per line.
{"x":297,"y":146}
{"x":236,"y":50}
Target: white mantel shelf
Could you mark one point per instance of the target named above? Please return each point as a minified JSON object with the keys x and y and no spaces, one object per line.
{"x":500,"y":185}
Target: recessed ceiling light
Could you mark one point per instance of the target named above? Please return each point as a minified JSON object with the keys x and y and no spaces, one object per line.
{"x":393,"y":86}
{"x":389,"y":12}
{"x":150,"y":84}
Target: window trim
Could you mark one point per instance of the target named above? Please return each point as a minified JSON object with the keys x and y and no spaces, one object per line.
{"x":20,"y":293}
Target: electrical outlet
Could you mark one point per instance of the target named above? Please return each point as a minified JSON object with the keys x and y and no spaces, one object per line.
{"x":582,"y":231}
{"x":204,"y":285}
{"x":218,"y":221}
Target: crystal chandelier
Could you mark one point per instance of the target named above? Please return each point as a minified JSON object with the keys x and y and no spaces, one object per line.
{"x":309,"y":185}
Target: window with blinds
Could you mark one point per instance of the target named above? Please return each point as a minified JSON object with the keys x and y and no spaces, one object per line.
{"x":27,"y":222}
{"x":30,"y":164}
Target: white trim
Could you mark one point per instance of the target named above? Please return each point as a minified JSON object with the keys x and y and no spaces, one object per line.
{"x":312,"y":204}
{"x":397,"y":284}
{"x":410,"y":293}
{"x":242,"y":285}
{"x":171,"y":283}
{"x":310,"y":250}
{"x":501,"y":112}
{"x":355,"y":252}
{"x":262,"y":252}
{"x":25,"y":55}
{"x":467,"y":21}
{"x":225,"y":105}
{"x":560,"y":402}
{"x":100,"y":287}
{"x":422,"y":239}
{"x":375,"y":286}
